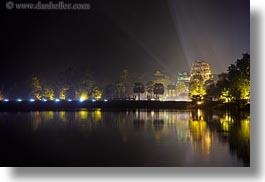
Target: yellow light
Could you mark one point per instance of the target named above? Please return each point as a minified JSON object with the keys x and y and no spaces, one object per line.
{"x":1,"y":95}
{"x":244,"y":131}
{"x":98,"y":97}
{"x":199,"y":113}
{"x":98,"y":94}
{"x":62,"y":115}
{"x":84,"y":96}
{"x":62,"y":94}
{"x":48,"y":116}
{"x":97,"y":115}
{"x":36,"y":120}
{"x":83,"y":115}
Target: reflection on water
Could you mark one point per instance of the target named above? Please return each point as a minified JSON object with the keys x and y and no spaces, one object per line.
{"x":149,"y":137}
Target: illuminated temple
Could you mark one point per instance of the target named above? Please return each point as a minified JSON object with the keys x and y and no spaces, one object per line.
{"x":200,"y":71}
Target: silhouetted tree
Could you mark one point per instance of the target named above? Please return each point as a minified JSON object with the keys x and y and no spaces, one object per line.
{"x":119,"y":88}
{"x":150,"y":88}
{"x":239,"y":78}
{"x":109,"y":91}
{"x":125,"y":81}
{"x":138,"y":89}
{"x":159,"y":89}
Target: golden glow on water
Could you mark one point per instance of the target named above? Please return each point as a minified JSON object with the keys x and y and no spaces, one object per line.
{"x":62,"y":116}
{"x":171,"y":126}
{"x":197,"y":128}
{"x":152,"y":114}
{"x":36,"y":120}
{"x":201,"y":132}
{"x":83,"y":115}
{"x":97,"y":115}
{"x":226,"y":121}
{"x":245,"y":129}
{"x":48,"y":115}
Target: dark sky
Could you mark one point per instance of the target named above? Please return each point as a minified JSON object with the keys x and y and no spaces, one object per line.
{"x":141,"y":35}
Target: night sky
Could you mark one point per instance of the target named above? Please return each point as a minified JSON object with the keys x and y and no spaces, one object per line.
{"x":140,"y":35}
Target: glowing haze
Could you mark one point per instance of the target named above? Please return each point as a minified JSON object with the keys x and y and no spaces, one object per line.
{"x":142,"y":36}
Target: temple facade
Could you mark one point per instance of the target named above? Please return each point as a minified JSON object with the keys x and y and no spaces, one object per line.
{"x":201,"y":71}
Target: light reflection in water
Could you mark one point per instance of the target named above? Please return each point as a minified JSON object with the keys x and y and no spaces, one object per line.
{"x":97,"y":115}
{"x":226,"y":122}
{"x":36,"y":120}
{"x":62,"y":116}
{"x":190,"y":127}
{"x":200,"y":135}
{"x":82,"y":115}
{"x":48,"y":115}
{"x":245,"y":129}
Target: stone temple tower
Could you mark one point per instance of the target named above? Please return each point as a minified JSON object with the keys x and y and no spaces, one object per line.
{"x":201,"y":71}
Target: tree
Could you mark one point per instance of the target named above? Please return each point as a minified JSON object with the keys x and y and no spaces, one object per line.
{"x":125,"y":81}
{"x":68,"y":83}
{"x":97,"y":93}
{"x":197,"y":90}
{"x":119,"y":88}
{"x":109,"y":91}
{"x":161,"y":78}
{"x":150,"y":88}
{"x":36,"y":88}
{"x":158,"y":89}
{"x":48,"y":93}
{"x":234,"y":85}
{"x":63,"y":92}
{"x":239,"y":78}
{"x":85,"y":89}
{"x":139,"y":89}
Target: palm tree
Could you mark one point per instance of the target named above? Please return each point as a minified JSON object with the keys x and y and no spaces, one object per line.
{"x":150,"y":88}
{"x":159,"y":89}
{"x":138,"y":88}
{"x":120,"y":88}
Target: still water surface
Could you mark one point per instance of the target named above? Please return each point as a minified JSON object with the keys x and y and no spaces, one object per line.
{"x":125,"y":138}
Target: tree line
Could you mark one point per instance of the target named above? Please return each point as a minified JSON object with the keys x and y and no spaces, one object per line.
{"x":232,"y":86}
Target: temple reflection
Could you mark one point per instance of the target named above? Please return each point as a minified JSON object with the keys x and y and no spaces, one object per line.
{"x":201,"y":137}
{"x":198,"y":128}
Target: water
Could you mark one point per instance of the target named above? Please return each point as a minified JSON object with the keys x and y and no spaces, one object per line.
{"x":124,"y":138}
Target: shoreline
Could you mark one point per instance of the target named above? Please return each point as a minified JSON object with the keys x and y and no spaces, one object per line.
{"x":13,"y":106}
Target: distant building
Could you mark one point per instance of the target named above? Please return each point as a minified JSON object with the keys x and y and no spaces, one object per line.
{"x":183,"y":77}
{"x":201,"y":71}
{"x":182,"y":85}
